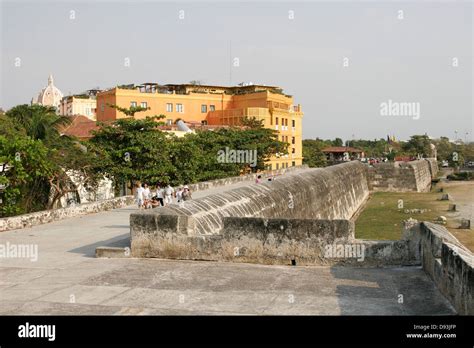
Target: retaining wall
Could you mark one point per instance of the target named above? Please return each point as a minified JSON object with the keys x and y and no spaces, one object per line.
{"x":46,"y":216}
{"x":450,"y":266}
{"x":257,"y":240}
{"x":277,"y":241}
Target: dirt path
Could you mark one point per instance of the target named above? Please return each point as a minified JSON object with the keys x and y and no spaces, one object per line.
{"x":462,"y":194}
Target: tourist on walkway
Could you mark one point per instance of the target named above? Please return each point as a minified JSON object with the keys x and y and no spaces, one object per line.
{"x":159,"y":194}
{"x":146,"y":196}
{"x":139,"y":195}
{"x":179,"y":194}
{"x":186,"y":193}
{"x":169,"y":191}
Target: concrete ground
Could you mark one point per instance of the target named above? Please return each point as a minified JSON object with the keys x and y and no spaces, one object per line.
{"x":68,"y":279}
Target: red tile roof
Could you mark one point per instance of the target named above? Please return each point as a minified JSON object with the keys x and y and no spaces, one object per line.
{"x":81,"y":127}
{"x":340,"y":149}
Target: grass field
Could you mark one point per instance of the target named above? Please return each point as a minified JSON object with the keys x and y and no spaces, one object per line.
{"x":382,"y":218}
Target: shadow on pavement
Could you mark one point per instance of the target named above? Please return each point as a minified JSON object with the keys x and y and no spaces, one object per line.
{"x":388,"y":291}
{"x":121,"y":241}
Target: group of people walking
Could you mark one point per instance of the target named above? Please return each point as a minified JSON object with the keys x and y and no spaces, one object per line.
{"x":157,"y":196}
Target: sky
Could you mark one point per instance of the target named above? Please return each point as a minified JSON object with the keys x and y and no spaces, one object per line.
{"x":342,"y":61}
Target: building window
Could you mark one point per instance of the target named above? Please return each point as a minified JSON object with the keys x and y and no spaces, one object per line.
{"x":293,"y":123}
{"x":276,"y":121}
{"x":203,"y":108}
{"x":293,"y":163}
{"x":212,"y":108}
{"x":169,"y":107}
{"x":144,"y":105}
{"x":293,"y":150}
{"x":277,"y":166}
{"x":179,"y":108}
{"x":204,"y":122}
{"x":169,"y":122}
{"x":133,"y":104}
{"x":292,"y":140}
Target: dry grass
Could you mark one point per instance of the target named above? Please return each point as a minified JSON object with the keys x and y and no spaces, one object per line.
{"x":382,"y":219}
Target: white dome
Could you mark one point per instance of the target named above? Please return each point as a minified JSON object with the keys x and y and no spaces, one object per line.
{"x":50,"y":95}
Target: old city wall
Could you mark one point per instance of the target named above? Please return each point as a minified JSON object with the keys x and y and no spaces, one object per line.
{"x":403,"y":176}
{"x":198,"y":228}
{"x":335,"y":192}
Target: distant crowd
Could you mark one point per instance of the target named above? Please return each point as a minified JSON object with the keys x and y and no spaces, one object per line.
{"x":156,"y":196}
{"x":148,"y":197}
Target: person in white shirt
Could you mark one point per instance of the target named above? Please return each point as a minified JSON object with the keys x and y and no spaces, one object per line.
{"x":139,"y":195}
{"x":169,"y":191}
{"x":179,"y":194}
{"x":159,"y":194}
{"x":146,"y":196}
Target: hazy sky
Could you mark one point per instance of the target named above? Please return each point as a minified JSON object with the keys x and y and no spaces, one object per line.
{"x":403,"y":60}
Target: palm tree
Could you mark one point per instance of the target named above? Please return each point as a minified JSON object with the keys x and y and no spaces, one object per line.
{"x":38,"y":121}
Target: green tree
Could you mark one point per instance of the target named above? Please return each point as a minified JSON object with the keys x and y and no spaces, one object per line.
{"x":29,"y":128}
{"x":418,"y":145}
{"x":24,"y":170}
{"x":312,"y":152}
{"x":252,"y":123}
{"x":133,"y":150}
{"x":131,"y":111}
{"x":337,"y":142}
{"x":71,"y":158}
{"x":37,"y":121}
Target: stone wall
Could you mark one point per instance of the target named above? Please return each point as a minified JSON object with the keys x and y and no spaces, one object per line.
{"x":334,"y":192}
{"x":205,"y":185}
{"x":257,"y":240}
{"x":46,"y":216}
{"x":433,"y":163}
{"x":450,"y":265}
{"x":402,"y":176}
{"x":276,"y":241}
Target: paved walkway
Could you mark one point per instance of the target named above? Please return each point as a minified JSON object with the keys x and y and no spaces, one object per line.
{"x":68,"y":279}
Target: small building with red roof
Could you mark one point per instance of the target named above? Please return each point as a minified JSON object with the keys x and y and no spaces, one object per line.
{"x":342,"y":153}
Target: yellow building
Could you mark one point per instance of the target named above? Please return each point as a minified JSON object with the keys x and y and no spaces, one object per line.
{"x":79,"y":105}
{"x":213,"y":105}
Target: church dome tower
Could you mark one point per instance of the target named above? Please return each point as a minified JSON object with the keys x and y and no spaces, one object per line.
{"x":50,"y":95}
